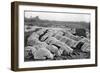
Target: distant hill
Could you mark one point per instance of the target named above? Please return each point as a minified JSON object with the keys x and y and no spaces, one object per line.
{"x":62,"y":24}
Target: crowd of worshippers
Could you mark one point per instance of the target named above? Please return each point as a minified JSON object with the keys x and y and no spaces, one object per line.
{"x":44,"y":43}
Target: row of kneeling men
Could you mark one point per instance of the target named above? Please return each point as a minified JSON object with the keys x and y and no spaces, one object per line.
{"x":49,"y":43}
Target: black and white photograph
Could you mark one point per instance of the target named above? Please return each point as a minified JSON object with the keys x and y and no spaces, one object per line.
{"x":53,"y":36}
{"x":56,"y":35}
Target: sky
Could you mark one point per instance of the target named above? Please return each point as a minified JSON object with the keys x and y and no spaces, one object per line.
{"x":75,"y":17}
